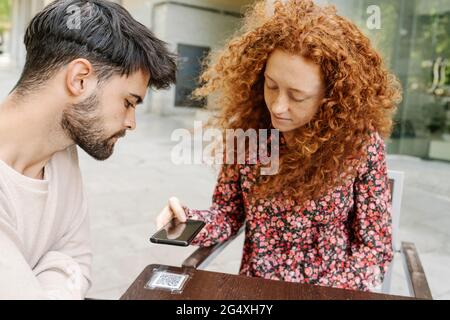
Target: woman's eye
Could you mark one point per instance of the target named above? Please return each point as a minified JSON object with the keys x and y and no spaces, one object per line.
{"x":271,"y":87}
{"x":297,"y":99}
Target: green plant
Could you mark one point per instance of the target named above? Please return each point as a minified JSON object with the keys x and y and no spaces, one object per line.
{"x":384,"y":38}
{"x":447,"y":129}
{"x":5,"y":14}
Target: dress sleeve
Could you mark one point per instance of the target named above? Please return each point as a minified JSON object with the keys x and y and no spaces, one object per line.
{"x":227,"y":214}
{"x":370,"y":226}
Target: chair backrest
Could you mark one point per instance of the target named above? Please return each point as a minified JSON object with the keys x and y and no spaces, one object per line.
{"x":396,"y":179}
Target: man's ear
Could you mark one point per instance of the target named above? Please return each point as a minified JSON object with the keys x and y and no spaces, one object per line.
{"x":79,"y":77}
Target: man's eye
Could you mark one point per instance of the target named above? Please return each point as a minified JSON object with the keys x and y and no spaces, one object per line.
{"x":128,"y":104}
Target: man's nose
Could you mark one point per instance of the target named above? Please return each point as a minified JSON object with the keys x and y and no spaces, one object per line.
{"x":130,"y":120}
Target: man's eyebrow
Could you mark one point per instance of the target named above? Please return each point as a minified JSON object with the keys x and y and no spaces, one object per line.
{"x":138,"y":98}
{"x":292,"y":89}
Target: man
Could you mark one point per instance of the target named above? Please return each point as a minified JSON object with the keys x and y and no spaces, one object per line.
{"x":88,"y":66}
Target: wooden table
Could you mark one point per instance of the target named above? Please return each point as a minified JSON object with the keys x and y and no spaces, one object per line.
{"x":205,"y":285}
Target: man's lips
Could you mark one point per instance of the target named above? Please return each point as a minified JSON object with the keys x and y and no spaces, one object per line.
{"x":119,"y":135}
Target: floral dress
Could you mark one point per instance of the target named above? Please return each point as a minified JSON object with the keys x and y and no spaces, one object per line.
{"x":342,"y":240}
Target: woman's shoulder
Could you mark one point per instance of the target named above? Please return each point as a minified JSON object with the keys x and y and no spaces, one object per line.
{"x":375,"y":143}
{"x":374,"y":153}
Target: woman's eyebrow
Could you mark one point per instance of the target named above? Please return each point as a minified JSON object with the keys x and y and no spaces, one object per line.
{"x":291,"y":89}
{"x":266,"y":75}
{"x":298,"y":90}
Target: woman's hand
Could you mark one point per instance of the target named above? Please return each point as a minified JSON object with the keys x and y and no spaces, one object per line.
{"x":172,"y":210}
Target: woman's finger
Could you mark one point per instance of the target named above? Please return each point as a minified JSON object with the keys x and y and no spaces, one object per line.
{"x":177,"y":209}
{"x":164,"y":218}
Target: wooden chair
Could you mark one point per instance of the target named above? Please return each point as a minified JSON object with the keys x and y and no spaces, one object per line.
{"x":415,"y":275}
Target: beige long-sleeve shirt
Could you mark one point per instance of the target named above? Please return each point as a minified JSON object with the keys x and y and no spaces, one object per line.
{"x":44,"y":232}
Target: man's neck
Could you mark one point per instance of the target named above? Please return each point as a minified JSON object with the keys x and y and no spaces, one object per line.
{"x":30,"y":134}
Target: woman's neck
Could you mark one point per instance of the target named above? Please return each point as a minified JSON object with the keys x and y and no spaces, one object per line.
{"x":289,"y":137}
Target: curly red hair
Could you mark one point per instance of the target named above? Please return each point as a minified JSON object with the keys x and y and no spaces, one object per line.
{"x":361,"y":94}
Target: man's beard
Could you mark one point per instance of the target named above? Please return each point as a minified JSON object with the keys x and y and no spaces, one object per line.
{"x":85,"y":128}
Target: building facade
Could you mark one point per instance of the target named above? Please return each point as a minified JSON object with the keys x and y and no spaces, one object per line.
{"x":413,"y":36}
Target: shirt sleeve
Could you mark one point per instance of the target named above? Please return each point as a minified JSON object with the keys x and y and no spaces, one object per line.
{"x":65,"y":270}
{"x":370,"y":227}
{"x":227,"y":214}
{"x":59,"y":275}
{"x":17,"y":281}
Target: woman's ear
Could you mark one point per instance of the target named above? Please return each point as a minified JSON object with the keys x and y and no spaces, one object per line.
{"x":79,"y":74}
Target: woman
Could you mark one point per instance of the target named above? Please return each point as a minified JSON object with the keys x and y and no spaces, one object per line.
{"x":325,"y":218}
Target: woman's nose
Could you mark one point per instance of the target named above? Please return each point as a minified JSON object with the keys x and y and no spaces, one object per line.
{"x":280,"y":106}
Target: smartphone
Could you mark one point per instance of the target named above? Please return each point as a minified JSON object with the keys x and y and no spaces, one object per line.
{"x":178,"y":233}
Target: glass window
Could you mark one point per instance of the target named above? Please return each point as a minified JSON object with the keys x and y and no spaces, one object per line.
{"x":414,"y":40}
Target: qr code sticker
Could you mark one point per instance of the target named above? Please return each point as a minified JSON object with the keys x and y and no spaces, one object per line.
{"x":167,"y":280}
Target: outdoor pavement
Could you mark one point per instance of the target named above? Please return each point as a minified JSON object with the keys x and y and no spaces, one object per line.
{"x":128,"y":191}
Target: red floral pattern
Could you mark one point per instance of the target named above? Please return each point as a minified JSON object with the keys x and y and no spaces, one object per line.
{"x":341,"y":240}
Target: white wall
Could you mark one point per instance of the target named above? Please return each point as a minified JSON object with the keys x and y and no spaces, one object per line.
{"x":22,"y":13}
{"x":178,"y":24}
{"x":141,"y":9}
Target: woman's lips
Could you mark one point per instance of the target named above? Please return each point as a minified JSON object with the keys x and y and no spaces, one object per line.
{"x":281,"y":119}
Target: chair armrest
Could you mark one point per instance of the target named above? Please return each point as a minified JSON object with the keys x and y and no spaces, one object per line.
{"x":415,"y":273}
{"x":204,"y":255}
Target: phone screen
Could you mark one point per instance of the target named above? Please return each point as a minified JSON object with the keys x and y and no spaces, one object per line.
{"x":178,"y":233}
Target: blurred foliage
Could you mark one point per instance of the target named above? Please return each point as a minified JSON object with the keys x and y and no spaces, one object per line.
{"x":383,"y":39}
{"x":433,"y":33}
{"x":423,"y":26}
{"x":5,"y":13}
{"x":430,"y":36}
